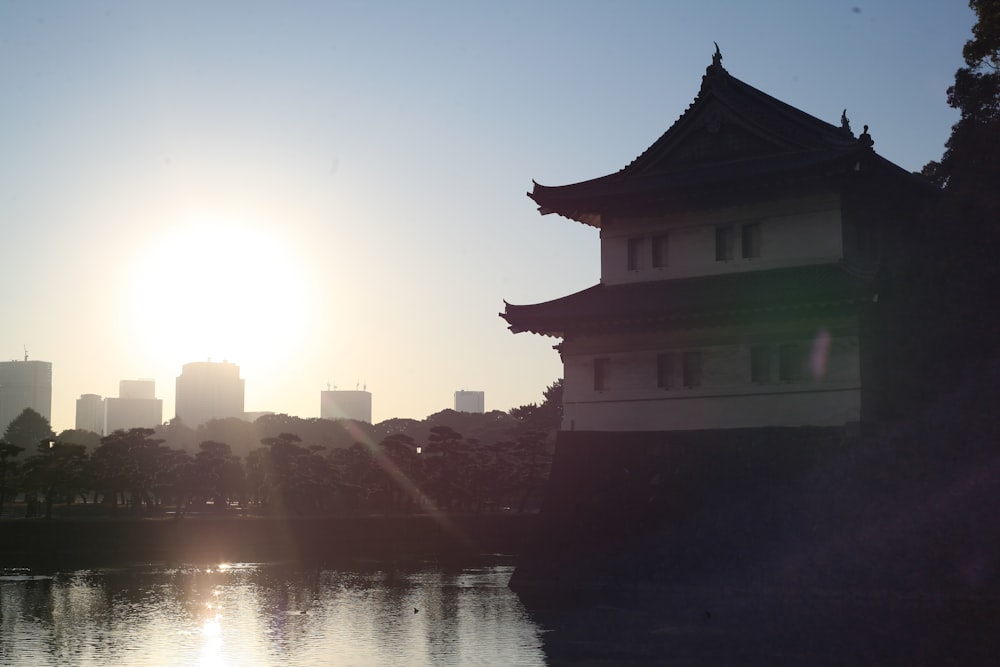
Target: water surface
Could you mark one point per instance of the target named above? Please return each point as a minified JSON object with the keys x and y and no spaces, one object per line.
{"x":256,"y":614}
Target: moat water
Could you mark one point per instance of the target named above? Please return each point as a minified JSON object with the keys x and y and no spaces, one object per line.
{"x":245,"y":614}
{"x":253,"y":614}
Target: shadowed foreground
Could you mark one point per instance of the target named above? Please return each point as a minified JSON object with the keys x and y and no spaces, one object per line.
{"x":77,"y":543}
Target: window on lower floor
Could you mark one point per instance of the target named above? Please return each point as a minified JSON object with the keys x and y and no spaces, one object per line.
{"x":691,"y":368}
{"x":751,"y":240}
{"x":601,"y":369}
{"x":634,"y":253}
{"x":664,"y":370}
{"x":723,"y":243}
{"x":660,"y":251}
{"x":789,"y":363}
{"x":760,"y":363}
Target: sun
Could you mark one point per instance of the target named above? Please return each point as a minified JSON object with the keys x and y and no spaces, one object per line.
{"x":220,"y":290}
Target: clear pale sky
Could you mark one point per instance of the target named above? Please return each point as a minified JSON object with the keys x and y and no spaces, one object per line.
{"x":335,"y":191}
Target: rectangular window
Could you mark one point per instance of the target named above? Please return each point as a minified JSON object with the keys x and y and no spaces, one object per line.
{"x":659,"y":251}
{"x":601,"y":374}
{"x":865,"y":241}
{"x":751,"y":240}
{"x":760,"y":364}
{"x":691,"y":368}
{"x":723,"y":244}
{"x":634,"y":253}
{"x":789,"y":363}
{"x":664,"y":370}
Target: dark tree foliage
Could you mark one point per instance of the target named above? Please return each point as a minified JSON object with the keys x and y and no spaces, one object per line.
{"x":959,"y":277}
{"x":58,"y":470}
{"x":8,"y":470}
{"x":451,"y":461}
{"x":75,"y":436}
{"x":27,"y":430}
{"x":545,"y":417}
{"x":127,"y":466}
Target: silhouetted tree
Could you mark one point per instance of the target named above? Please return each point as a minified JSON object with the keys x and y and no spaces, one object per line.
{"x":544,"y":417}
{"x":286,"y":478}
{"x":129,"y":462}
{"x":175,"y":434}
{"x":240,"y":435}
{"x":959,"y":274}
{"x":75,"y":436}
{"x":533,"y":451}
{"x":446,"y":459}
{"x":27,"y":430}
{"x":216,"y":475}
{"x":57,"y":470}
{"x":8,"y":468}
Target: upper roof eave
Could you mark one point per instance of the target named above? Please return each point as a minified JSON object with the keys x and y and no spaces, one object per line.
{"x":696,"y":298}
{"x":792,"y":144}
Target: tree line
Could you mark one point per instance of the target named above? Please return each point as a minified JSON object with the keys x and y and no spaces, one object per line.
{"x":285,"y":465}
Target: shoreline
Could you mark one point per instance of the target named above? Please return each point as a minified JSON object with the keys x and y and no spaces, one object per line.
{"x":114,"y":541}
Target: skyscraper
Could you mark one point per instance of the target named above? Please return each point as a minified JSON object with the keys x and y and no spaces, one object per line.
{"x":135,"y":407}
{"x":24,"y":384}
{"x":90,"y":413}
{"x":337,"y":404}
{"x":470,"y":401}
{"x":209,"y":390}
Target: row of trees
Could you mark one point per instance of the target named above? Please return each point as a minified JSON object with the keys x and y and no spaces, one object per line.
{"x":408,"y":470}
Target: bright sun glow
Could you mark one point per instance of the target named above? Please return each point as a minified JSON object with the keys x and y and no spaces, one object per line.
{"x":219,"y":290}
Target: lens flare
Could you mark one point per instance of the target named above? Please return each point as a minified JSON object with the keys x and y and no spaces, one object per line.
{"x":820,"y":354}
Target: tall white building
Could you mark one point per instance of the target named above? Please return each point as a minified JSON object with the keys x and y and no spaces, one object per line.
{"x":90,"y":413}
{"x":470,"y":401}
{"x":209,"y":390}
{"x":135,"y":407}
{"x":337,"y":404}
{"x":24,"y":384}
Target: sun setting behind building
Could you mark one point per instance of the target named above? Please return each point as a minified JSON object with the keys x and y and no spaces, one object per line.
{"x":222,"y":289}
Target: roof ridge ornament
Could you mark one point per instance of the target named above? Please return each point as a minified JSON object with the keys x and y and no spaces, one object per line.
{"x":866,"y":139}
{"x":845,"y":124}
{"x":715,"y":71}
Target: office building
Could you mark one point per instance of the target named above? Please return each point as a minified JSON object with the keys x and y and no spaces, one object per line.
{"x":90,"y":413}
{"x":24,"y":384}
{"x":135,"y":407}
{"x":470,"y":401}
{"x":336,"y":404}
{"x":209,"y":390}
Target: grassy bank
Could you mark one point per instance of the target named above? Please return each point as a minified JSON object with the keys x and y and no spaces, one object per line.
{"x":105,"y":542}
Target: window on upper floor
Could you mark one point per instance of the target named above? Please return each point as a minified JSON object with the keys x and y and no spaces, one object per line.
{"x":724,"y":243}
{"x":664,"y":370}
{"x":789,"y":363}
{"x":601,"y":373}
{"x":760,"y":364}
{"x":751,"y":240}
{"x":691,"y":368}
{"x":865,"y":241}
{"x":660,"y":248}
{"x":634,"y":253}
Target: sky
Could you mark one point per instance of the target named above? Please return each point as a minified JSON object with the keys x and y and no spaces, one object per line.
{"x":332,"y":193}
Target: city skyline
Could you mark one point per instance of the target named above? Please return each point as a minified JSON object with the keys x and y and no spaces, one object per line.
{"x":331,"y":193}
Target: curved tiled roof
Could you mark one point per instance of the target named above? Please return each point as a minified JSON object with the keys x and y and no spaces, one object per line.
{"x":694,"y":301}
{"x":733,"y":136}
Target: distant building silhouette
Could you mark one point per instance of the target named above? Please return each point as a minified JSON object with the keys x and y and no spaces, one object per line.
{"x":135,"y":407}
{"x":470,"y":401}
{"x":24,"y":384}
{"x":209,"y":390}
{"x":339,"y":404}
{"x":90,"y":413}
{"x":744,"y":259}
